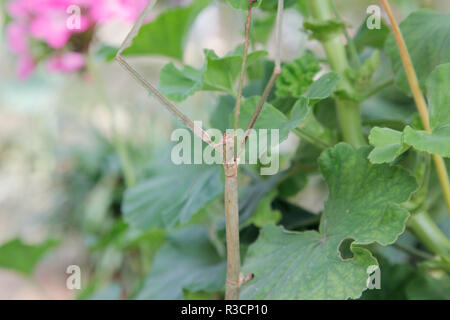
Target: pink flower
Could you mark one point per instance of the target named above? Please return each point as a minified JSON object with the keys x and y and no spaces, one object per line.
{"x":51,"y":29}
{"x":125,"y":10}
{"x":17,"y":35}
{"x":50,"y":21}
{"x":66,"y":62}
{"x":19,"y":9}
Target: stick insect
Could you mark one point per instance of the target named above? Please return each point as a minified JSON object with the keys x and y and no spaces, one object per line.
{"x":234,"y":278}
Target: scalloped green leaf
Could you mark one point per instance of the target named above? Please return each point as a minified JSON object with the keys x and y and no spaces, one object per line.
{"x":363,"y":205}
{"x":188,"y":261}
{"x":166,"y":35}
{"x":150,"y":204}
{"x":177,"y":84}
{"x":388,"y":145}
{"x":426,"y":36}
{"x":21,"y":257}
{"x":218,"y":74}
{"x":323,"y":87}
{"x":438,"y":141}
{"x":297,"y":76}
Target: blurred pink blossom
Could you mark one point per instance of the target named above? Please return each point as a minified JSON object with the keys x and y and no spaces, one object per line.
{"x":17,"y":35}
{"x":66,"y":62}
{"x":35,"y":21}
{"x":125,"y":10}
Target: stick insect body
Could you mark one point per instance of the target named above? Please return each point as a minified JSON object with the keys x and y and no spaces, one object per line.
{"x":234,"y":277}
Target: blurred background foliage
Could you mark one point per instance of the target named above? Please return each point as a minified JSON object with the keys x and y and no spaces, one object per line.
{"x":61,"y":183}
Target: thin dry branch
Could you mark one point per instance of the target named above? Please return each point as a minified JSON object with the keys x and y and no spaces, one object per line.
{"x":233,"y":277}
{"x":237,"y":108}
{"x":202,"y":134}
{"x":273,"y":78}
{"x":411,"y":75}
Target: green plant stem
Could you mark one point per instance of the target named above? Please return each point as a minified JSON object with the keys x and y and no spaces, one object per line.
{"x":429,"y":234}
{"x":350,"y":43}
{"x":348,"y":110}
{"x":414,"y":252}
{"x":419,"y":99}
{"x":119,"y":146}
{"x":349,"y":118}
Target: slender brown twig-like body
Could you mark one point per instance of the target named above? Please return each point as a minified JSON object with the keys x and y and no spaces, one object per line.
{"x":232,"y":219}
{"x":237,"y":108}
{"x":234,"y":278}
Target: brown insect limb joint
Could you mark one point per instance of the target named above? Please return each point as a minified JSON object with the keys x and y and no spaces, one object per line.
{"x":230,"y":162}
{"x":243,"y":279}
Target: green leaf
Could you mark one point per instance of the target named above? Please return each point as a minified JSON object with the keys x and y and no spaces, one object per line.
{"x":172,"y":196}
{"x":323,"y":30}
{"x":426,"y":36}
{"x":166,"y":35}
{"x":297,"y":76}
{"x":388,"y":145}
{"x":221,"y":73}
{"x":261,"y":28}
{"x":242,"y":4}
{"x":264,"y":212}
{"x":176,"y":84}
{"x":218,"y":74}
{"x":271,"y":118}
{"x":187,"y":261}
{"x":323,"y":87}
{"x":106,"y":52}
{"x":362,"y":78}
{"x":374,"y":38}
{"x":293,"y":184}
{"x":220,"y":118}
{"x":293,"y":216}
{"x":22,"y":257}
{"x":393,"y":281}
{"x":252,"y":195}
{"x":438,"y":141}
{"x":382,"y":111}
{"x":363,"y":206}
{"x":428,"y":287}
{"x":310,"y":125}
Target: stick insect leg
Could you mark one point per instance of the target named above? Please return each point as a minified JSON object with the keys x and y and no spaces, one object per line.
{"x":150,"y":87}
